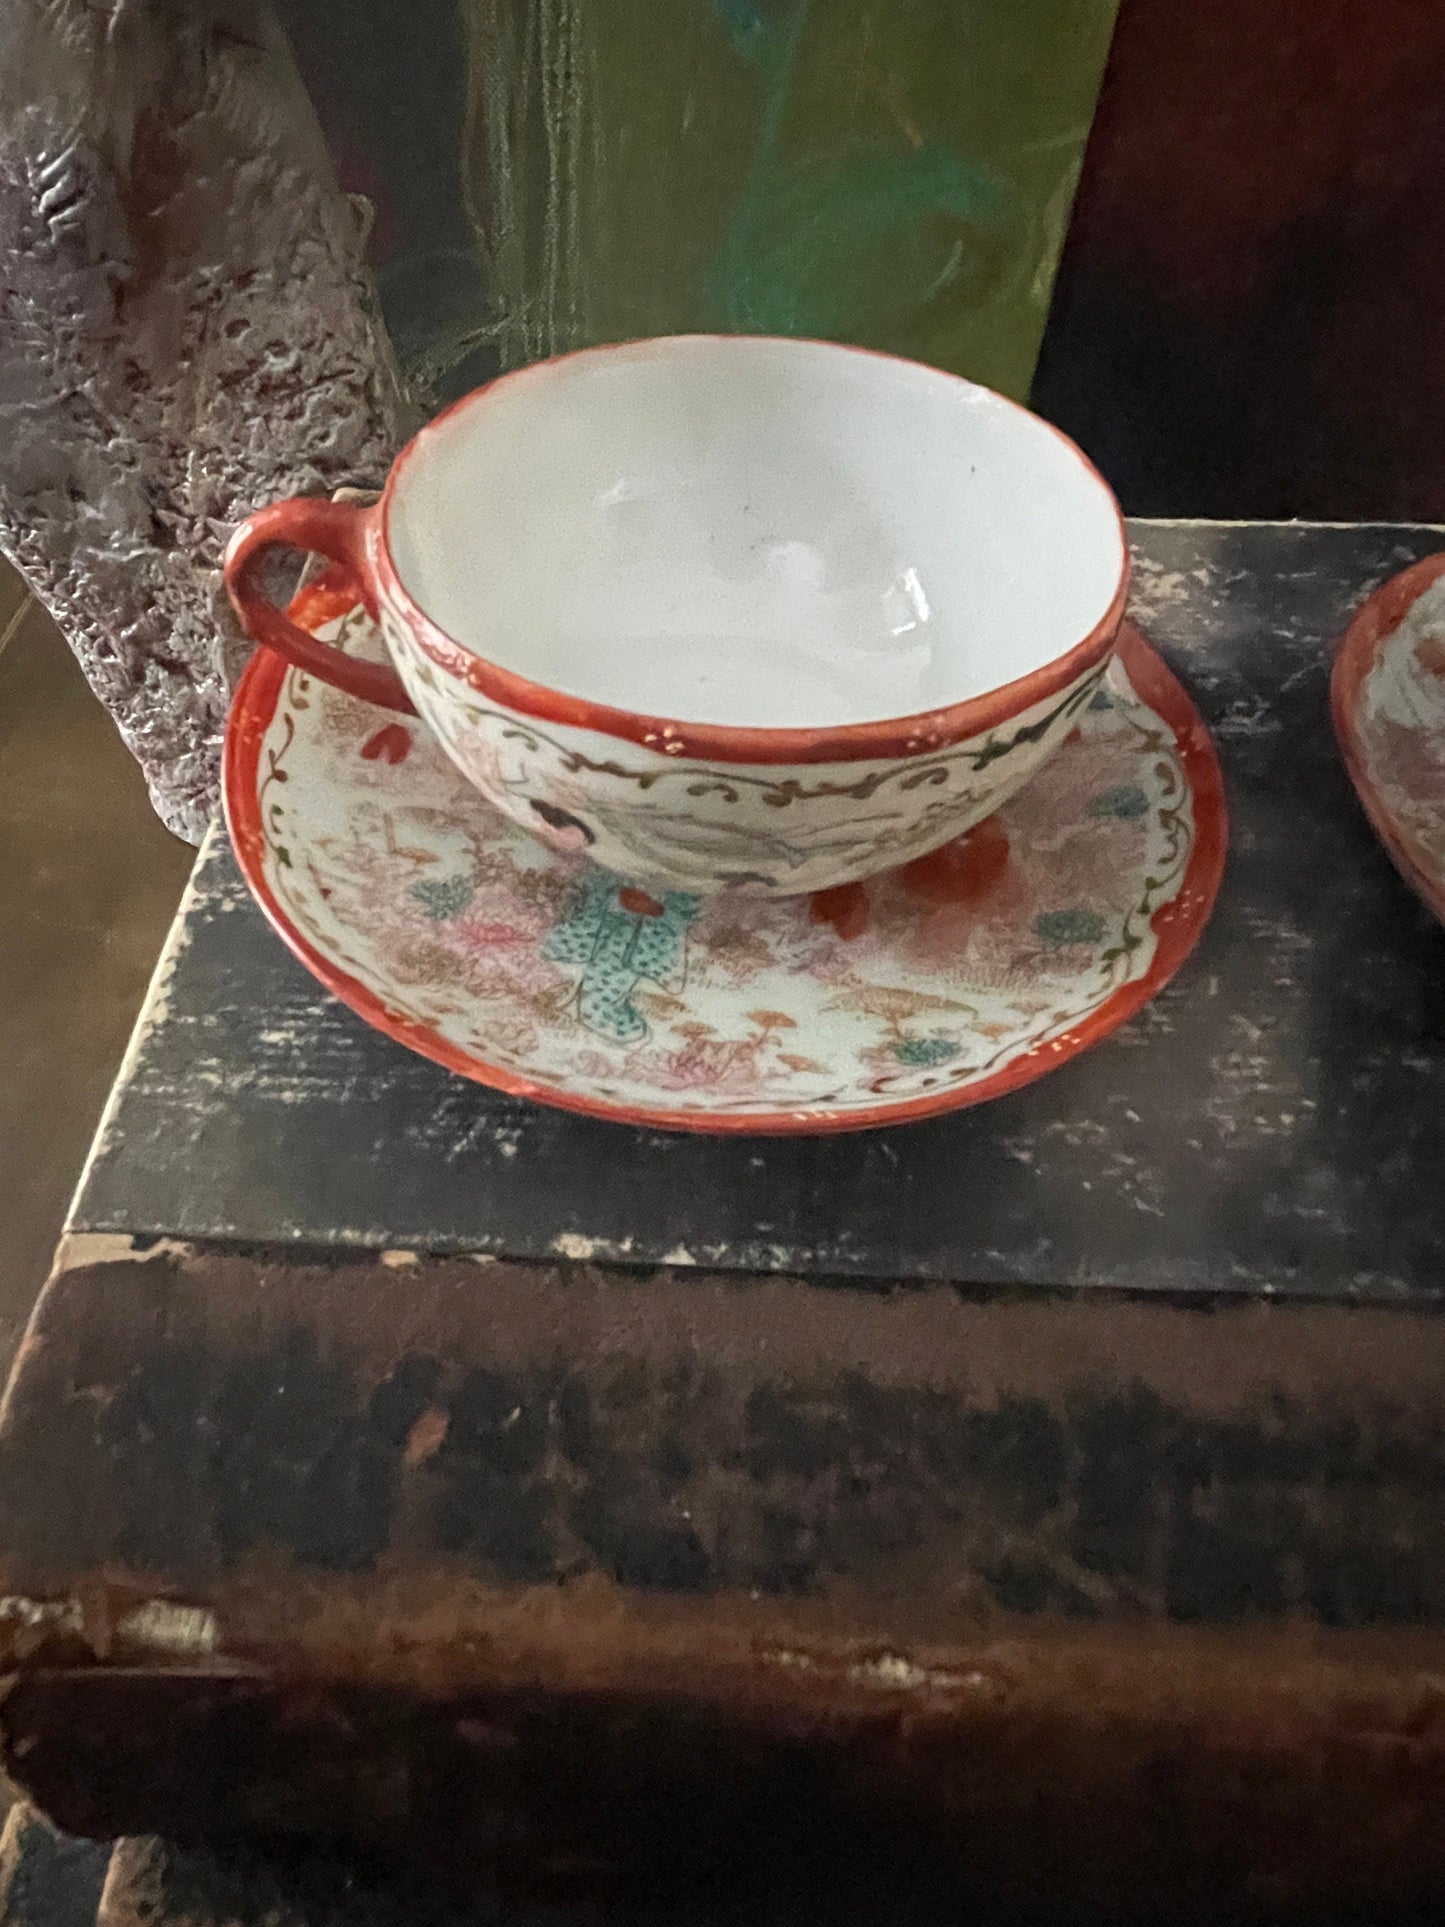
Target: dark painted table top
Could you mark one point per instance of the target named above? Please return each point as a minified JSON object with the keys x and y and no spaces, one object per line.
{"x":1274,"y":1122}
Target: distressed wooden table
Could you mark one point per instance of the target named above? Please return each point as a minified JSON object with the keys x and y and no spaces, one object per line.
{"x":1042,"y":1505}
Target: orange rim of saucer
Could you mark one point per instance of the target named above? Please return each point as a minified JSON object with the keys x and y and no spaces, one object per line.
{"x":1177,"y":925}
{"x":722,"y":743}
{"x":1371,"y":627}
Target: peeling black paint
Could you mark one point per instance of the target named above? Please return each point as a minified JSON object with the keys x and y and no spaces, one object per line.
{"x":1229,"y":1140}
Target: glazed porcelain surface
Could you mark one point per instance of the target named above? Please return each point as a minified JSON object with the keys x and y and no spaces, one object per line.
{"x":733,"y":613}
{"x":761,"y":534}
{"x":960,"y":977}
{"x":1388,"y":692}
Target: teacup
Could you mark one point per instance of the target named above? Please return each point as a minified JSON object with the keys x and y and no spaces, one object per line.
{"x":726,"y":611}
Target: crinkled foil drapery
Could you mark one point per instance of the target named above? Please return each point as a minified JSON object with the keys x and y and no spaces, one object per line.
{"x":186,"y":331}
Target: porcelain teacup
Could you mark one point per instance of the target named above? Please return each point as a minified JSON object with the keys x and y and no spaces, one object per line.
{"x":726,"y":611}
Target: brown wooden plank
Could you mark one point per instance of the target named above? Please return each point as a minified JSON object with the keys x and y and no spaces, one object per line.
{"x":1083,"y":1596}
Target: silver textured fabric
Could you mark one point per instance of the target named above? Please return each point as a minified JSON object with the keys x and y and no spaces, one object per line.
{"x":187,"y":330}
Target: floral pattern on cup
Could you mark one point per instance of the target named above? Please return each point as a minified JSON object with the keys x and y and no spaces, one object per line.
{"x":964,"y":972}
{"x":769,"y":830}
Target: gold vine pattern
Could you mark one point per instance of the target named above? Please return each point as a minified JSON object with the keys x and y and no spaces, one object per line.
{"x":778,"y":794}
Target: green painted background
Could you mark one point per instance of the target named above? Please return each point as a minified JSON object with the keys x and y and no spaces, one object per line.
{"x":898,"y":175}
{"x":548,"y":173}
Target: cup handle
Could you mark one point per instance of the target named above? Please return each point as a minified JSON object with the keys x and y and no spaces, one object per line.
{"x":336,"y":530}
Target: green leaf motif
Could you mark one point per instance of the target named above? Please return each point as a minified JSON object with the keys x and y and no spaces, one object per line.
{"x":926,"y":1052}
{"x":1059,"y":928}
{"x":1128,"y":800}
{"x":443,"y":897}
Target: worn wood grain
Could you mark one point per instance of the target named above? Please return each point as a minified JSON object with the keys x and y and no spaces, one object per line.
{"x":1273,"y":1122}
{"x":853,"y":1565}
{"x":1124,"y":1602}
{"x":940,"y":1459}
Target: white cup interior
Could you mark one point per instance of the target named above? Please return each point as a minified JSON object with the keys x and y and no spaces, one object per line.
{"x":755,"y":532}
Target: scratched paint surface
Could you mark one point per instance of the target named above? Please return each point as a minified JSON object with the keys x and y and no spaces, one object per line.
{"x":1275,"y":1121}
{"x":898,"y":175}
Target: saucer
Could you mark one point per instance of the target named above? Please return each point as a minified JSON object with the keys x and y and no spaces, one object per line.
{"x":1387,"y":692}
{"x":960,"y":977}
